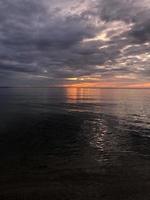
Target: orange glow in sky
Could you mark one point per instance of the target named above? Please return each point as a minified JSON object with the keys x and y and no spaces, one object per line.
{"x":140,"y":85}
{"x":108,"y":84}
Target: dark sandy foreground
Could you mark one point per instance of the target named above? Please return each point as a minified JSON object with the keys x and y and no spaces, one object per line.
{"x":116,"y":183}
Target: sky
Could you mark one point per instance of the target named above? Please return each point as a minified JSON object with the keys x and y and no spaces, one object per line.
{"x":79,"y":43}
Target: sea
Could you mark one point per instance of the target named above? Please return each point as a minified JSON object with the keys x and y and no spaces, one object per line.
{"x":74,"y":144}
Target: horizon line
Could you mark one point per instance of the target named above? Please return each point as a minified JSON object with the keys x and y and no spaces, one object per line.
{"x":74,"y":87}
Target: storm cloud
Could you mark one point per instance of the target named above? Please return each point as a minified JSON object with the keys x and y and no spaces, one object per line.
{"x":58,"y":42}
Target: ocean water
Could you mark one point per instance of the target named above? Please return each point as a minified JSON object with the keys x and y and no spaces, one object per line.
{"x":74,"y":143}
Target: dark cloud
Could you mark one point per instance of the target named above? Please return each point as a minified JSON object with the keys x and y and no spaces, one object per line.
{"x":51,"y":41}
{"x":141,"y":32}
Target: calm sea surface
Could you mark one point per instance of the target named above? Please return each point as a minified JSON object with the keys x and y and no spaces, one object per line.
{"x":74,"y":143}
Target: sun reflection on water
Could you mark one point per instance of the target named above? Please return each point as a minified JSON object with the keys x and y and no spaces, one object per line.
{"x":82,"y":95}
{"x":98,"y":134}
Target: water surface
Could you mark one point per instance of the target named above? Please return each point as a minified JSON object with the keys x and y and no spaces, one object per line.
{"x":74,"y":143}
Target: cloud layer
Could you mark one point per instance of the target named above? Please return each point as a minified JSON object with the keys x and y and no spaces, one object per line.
{"x":64,"y":42}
